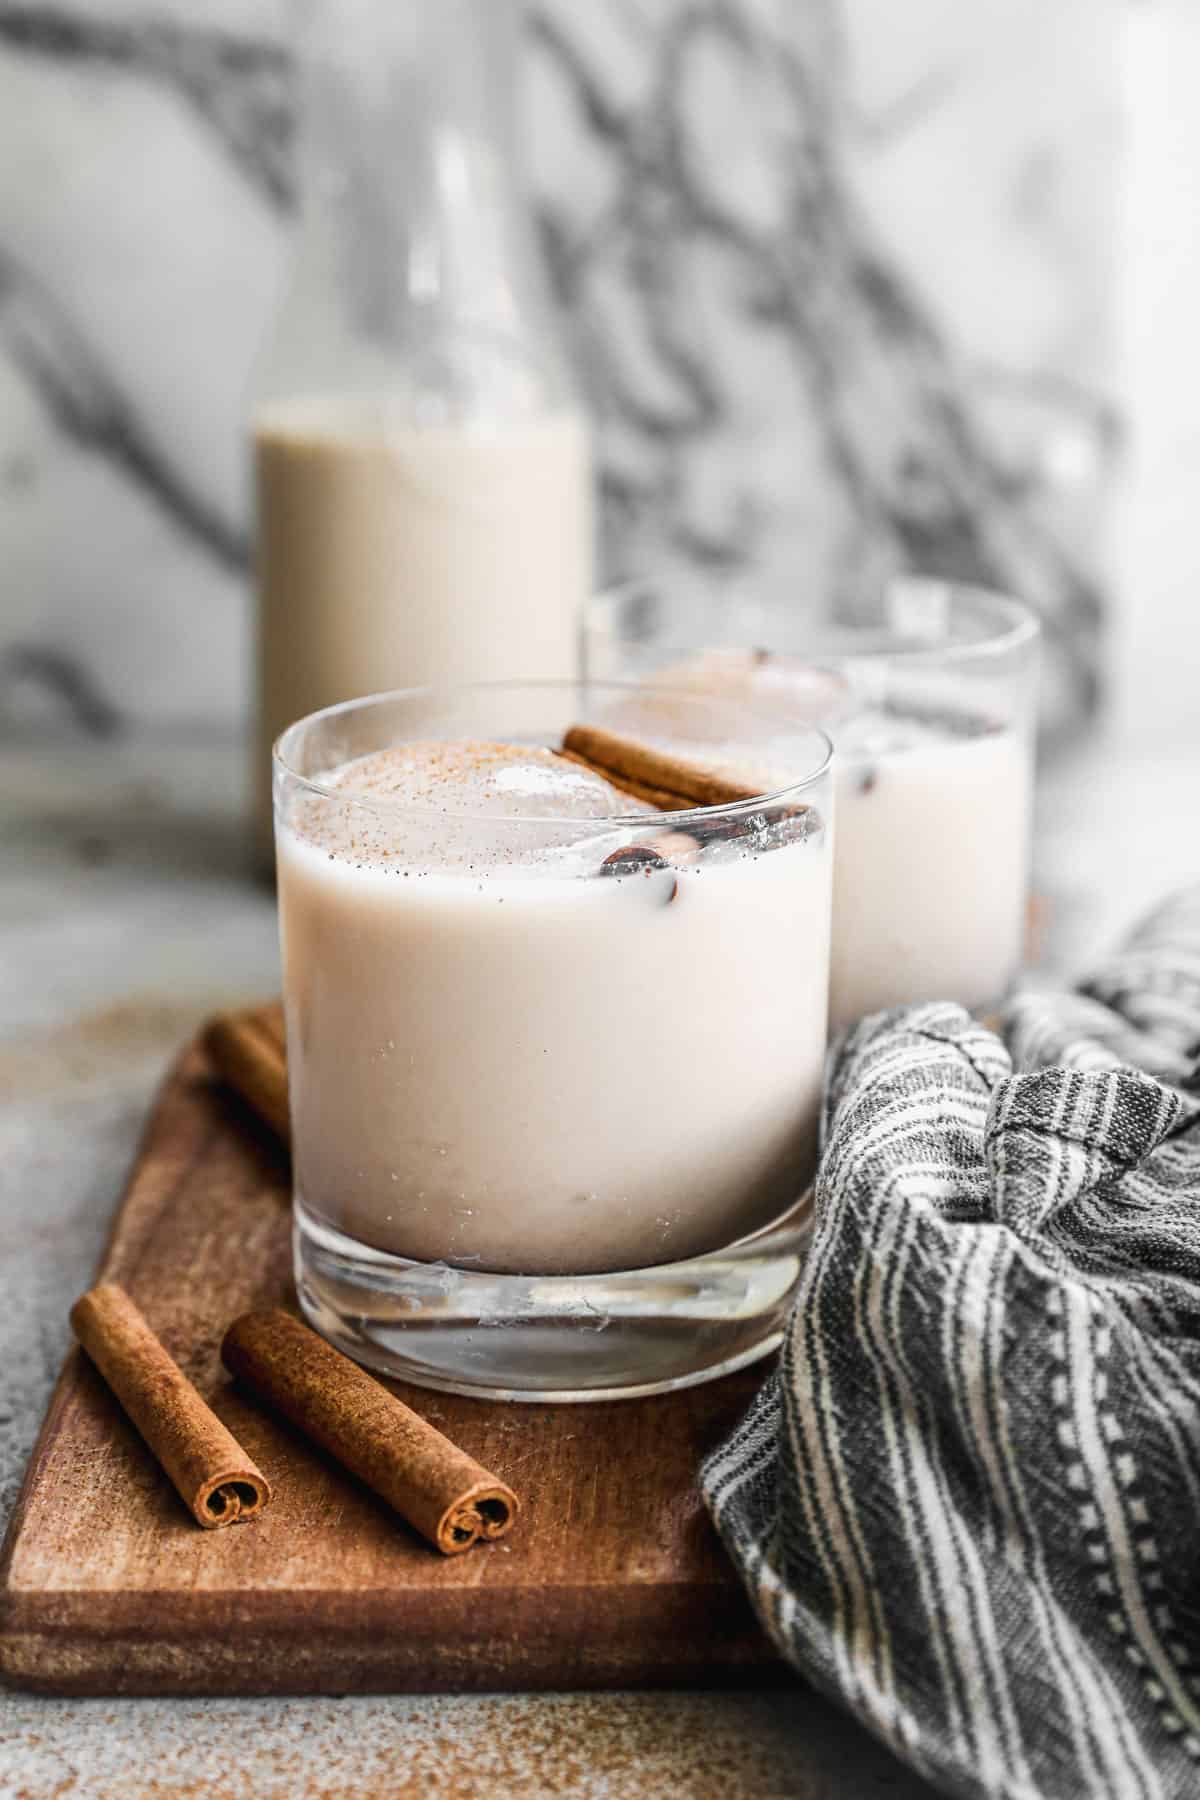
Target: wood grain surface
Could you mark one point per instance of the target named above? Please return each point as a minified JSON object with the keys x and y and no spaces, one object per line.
{"x":613,"y":1576}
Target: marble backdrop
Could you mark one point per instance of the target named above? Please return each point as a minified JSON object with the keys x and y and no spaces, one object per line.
{"x":837,"y":274}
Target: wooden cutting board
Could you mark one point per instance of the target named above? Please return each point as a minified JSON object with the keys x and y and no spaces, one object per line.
{"x":613,"y":1575}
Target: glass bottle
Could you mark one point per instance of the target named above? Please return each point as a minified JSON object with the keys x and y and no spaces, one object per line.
{"x":422,"y":462}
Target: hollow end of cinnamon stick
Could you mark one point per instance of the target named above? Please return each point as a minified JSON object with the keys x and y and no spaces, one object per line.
{"x":451,"y":1499}
{"x":246,"y":1050}
{"x":487,"y":1512}
{"x":229,"y":1498}
{"x":216,"y":1480}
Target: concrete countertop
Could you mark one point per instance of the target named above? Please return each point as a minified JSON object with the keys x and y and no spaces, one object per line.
{"x":126,"y":915}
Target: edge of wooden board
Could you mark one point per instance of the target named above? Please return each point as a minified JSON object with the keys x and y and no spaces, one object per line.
{"x":91,"y":1641}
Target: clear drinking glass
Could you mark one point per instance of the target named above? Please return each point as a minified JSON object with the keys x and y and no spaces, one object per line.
{"x":929,"y":694}
{"x":554,"y":1080}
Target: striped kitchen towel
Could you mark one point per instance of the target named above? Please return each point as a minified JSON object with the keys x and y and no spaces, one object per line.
{"x":967,"y":1504}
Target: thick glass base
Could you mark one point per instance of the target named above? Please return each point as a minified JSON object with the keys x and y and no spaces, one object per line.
{"x":561,"y":1337}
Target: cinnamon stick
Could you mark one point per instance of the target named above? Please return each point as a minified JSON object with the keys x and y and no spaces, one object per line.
{"x":213,"y":1475}
{"x":247,"y":1051}
{"x":640,"y":790}
{"x":438,"y":1488}
{"x":669,"y":782}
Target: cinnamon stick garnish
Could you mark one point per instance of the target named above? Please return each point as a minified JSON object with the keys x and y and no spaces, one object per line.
{"x":438,"y":1488}
{"x":247,"y":1051}
{"x":213,"y":1475}
{"x":640,"y":790}
{"x":669,"y":782}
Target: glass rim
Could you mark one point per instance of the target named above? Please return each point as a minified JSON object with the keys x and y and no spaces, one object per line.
{"x":394,"y":807}
{"x":1018,"y":625}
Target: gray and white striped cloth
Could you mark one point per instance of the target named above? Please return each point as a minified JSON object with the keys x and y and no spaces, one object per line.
{"x":967,"y":1504}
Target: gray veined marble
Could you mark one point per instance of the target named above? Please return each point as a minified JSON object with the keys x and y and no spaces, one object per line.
{"x":837,"y":274}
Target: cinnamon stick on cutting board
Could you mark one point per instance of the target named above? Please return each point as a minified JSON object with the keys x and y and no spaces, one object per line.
{"x":212,"y":1473}
{"x":247,"y":1051}
{"x":449,"y":1497}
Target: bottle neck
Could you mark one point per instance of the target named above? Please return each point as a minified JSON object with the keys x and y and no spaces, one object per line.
{"x":413,"y":213}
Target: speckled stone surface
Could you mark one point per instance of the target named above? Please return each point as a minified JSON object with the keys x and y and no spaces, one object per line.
{"x":125,"y":915}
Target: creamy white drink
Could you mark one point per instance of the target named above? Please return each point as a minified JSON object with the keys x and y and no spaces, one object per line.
{"x":931,"y":868}
{"x":522,"y":1037}
{"x":391,"y":556}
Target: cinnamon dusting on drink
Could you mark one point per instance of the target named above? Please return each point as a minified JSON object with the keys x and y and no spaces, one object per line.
{"x":458,"y":807}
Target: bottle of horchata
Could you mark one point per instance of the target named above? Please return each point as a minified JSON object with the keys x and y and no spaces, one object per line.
{"x":422,"y":461}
